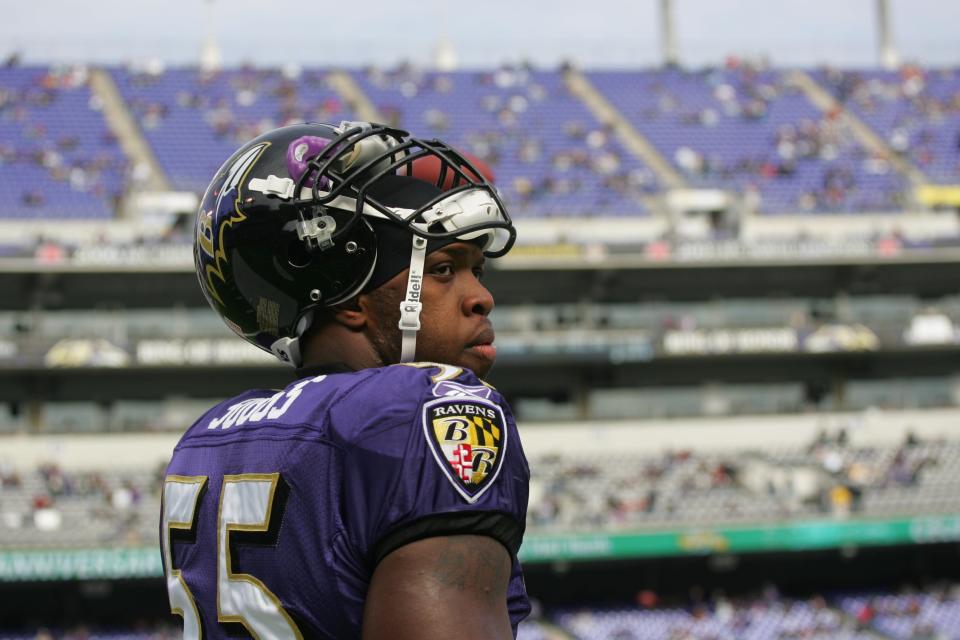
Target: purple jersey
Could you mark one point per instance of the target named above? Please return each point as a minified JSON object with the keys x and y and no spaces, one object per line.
{"x":277,"y":506}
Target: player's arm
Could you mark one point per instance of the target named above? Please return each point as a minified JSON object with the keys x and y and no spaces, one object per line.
{"x":440,"y":588}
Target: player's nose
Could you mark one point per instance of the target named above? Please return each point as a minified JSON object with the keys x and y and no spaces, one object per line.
{"x":478,"y":299}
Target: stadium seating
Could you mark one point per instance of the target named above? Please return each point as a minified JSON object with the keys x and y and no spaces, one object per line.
{"x":726,"y":620}
{"x":926,"y":614}
{"x":749,"y":130}
{"x":689,"y":487}
{"x":58,"y":158}
{"x":550,"y":155}
{"x":49,"y":507}
{"x":737,"y":128}
{"x":194,"y":120}
{"x":916,"y":110}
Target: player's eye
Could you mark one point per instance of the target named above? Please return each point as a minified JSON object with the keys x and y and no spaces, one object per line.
{"x":478,"y":272}
{"x":442,"y":269}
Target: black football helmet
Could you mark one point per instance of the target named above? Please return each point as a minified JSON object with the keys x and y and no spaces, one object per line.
{"x":304,"y":216}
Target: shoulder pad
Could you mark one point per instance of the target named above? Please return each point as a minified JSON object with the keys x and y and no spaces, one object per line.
{"x":395,"y":395}
{"x":449,"y":381}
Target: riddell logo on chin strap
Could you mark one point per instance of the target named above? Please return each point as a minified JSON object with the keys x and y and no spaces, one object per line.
{"x":413,"y":289}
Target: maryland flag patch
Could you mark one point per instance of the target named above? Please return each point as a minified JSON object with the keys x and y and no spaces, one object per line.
{"x":468,"y":439}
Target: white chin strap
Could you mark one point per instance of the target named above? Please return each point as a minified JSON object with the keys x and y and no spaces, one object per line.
{"x":411,"y":306}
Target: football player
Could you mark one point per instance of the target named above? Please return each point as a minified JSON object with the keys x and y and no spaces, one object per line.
{"x":383,"y":494}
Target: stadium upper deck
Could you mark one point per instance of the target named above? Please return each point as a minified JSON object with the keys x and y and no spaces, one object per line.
{"x":551,"y":154}
{"x":916,"y":110}
{"x":752,"y":132}
{"x":194,"y":121}
{"x":58,"y":156}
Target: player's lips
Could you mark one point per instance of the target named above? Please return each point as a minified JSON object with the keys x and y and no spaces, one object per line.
{"x":482,"y":345}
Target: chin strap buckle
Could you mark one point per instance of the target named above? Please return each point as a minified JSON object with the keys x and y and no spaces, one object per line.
{"x":410,"y":315}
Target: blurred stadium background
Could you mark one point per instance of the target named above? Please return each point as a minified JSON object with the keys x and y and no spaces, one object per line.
{"x":729,"y":330}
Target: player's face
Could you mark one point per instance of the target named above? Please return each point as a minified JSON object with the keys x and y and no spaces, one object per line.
{"x":454,"y":327}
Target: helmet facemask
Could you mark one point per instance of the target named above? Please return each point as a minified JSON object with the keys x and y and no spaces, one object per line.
{"x":467,"y":206}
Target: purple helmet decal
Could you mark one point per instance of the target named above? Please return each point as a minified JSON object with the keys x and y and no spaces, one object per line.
{"x":299,"y":154}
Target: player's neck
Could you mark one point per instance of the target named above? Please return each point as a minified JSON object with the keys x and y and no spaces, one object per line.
{"x":336,"y":344}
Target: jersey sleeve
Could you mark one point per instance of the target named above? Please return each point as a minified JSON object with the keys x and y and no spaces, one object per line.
{"x":430,"y":458}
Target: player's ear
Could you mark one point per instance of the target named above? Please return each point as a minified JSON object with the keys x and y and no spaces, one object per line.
{"x":353,"y":314}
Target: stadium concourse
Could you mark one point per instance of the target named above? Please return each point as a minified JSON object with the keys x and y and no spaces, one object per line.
{"x":729,"y":332}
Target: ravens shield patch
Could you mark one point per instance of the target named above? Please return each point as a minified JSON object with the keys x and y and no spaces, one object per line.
{"x":468,"y":439}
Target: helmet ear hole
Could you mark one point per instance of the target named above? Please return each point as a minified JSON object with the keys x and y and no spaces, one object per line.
{"x":297,"y":254}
